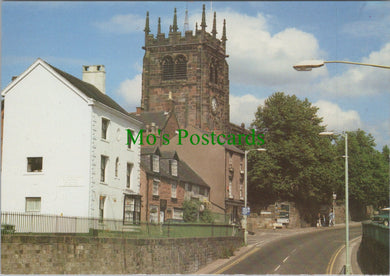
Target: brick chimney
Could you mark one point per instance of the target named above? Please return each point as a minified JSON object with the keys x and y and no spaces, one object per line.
{"x":95,"y":75}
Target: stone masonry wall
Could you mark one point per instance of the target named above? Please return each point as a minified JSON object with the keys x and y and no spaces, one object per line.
{"x":91,"y":255}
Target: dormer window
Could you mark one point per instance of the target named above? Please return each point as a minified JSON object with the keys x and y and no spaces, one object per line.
{"x":155,"y":163}
{"x":173,"y":167}
{"x":105,"y":123}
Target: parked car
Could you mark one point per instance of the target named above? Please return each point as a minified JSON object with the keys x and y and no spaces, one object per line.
{"x":382,"y":217}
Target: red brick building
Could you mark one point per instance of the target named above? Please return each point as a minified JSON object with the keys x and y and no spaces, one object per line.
{"x":166,"y":181}
{"x":221,"y":167}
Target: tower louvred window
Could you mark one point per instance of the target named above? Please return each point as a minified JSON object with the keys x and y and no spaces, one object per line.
{"x":174,"y":70}
{"x":167,"y":68}
{"x":180,"y":68}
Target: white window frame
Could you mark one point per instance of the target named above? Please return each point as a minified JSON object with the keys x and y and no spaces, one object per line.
{"x":102,"y":201}
{"x":173,"y":167}
{"x":173,"y":190}
{"x":230,"y":187}
{"x":33,"y":204}
{"x":129,"y":170}
{"x":116,"y":166}
{"x":156,"y":163}
{"x":177,"y":213}
{"x":153,"y":216}
{"x":31,"y":160}
{"x":105,"y":125}
{"x":195,"y":189}
{"x":103,"y":171}
{"x":156,"y":184}
{"x":188,"y":187}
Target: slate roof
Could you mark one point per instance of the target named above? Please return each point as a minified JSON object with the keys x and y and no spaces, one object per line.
{"x":90,"y":91}
{"x":185,"y":173}
{"x":160,"y":118}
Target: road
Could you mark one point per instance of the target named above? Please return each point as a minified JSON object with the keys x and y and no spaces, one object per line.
{"x":309,"y":253}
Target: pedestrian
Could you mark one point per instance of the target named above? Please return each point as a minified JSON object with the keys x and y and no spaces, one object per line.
{"x":319,"y":220}
{"x":331,"y":219}
{"x":323,"y":220}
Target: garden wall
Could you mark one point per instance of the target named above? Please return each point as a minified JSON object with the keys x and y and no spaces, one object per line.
{"x":27,"y":254}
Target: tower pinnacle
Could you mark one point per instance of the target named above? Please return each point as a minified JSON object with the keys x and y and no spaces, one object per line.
{"x":159,"y":26}
{"x":203,"y":24}
{"x":224,"y":34}
{"x":147,"y":29}
{"x":214,"y":31}
{"x":174,"y":27}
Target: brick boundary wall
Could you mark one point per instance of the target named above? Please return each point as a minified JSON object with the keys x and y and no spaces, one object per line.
{"x":92,"y":255}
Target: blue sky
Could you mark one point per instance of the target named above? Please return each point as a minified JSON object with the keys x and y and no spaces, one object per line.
{"x":264,"y":40}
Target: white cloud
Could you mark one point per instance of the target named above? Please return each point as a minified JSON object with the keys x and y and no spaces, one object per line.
{"x":243,"y":108}
{"x":258,"y":57}
{"x":122,"y":24}
{"x":337,"y":119}
{"x":381,"y":133}
{"x":361,"y":80}
{"x":130,"y":92}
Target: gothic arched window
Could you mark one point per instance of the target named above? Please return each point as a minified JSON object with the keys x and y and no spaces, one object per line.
{"x":180,"y":68}
{"x":213,"y":72}
{"x":167,"y":68}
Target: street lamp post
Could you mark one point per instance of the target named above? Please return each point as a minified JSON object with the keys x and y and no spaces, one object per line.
{"x":246,"y":194}
{"x":308,"y":65}
{"x":347,"y":261}
{"x":333,"y":211}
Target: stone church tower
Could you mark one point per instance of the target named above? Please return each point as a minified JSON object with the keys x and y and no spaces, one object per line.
{"x":189,"y":73}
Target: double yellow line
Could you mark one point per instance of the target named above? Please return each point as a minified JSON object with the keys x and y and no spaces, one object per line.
{"x":329,"y":269}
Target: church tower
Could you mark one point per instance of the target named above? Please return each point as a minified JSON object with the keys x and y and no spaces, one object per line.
{"x":188,"y":73}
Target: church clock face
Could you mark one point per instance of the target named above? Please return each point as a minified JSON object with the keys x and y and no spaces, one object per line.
{"x":214,"y":105}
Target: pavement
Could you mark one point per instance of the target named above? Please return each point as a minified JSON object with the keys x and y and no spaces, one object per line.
{"x":265,"y":236}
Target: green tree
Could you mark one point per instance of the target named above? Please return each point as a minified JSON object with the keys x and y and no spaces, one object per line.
{"x":192,"y":212}
{"x":298,"y":163}
{"x":368,"y":172}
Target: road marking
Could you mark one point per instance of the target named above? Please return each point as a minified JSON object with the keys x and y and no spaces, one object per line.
{"x":293,"y":250}
{"x":254,"y":250}
{"x":329,"y":269}
{"x":277,"y":268}
{"x":286,"y":259}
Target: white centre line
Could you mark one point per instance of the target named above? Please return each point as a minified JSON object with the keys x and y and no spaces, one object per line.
{"x":293,"y":250}
{"x":286,"y":259}
{"x":277,"y":267}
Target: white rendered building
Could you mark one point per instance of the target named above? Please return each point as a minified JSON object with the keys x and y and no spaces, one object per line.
{"x":65,"y":147}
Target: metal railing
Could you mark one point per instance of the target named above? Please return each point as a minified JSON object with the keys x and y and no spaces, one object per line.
{"x":377,"y":232}
{"x":24,"y":223}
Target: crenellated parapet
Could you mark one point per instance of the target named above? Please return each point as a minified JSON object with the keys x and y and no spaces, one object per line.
{"x":190,"y":37}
